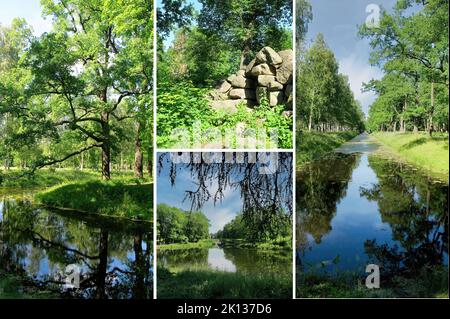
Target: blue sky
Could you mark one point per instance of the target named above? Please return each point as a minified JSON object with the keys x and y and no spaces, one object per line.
{"x":338,"y":21}
{"x":28,"y":9}
{"x":218,"y":215}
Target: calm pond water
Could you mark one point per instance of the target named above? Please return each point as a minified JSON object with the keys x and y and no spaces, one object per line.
{"x":37,"y":245}
{"x":233,"y":260}
{"x":356,"y":207}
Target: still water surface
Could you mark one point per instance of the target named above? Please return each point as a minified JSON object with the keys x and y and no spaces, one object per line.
{"x":41,"y":247}
{"x":356,"y":206}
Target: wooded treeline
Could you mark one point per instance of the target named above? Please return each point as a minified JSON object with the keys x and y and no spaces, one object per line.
{"x":325,"y":101}
{"x":179,"y":226}
{"x":242,"y":227}
{"x":411,"y":46}
{"x":79,"y":95}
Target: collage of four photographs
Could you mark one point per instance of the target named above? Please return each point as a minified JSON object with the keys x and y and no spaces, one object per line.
{"x":238,"y":149}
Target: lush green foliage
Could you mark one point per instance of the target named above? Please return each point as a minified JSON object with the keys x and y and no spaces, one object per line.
{"x":12,"y":287}
{"x":221,"y":41}
{"x":183,"y":106}
{"x":312,"y":145}
{"x":411,"y":46}
{"x":278,"y":232}
{"x":419,"y":149}
{"x":202,"y":243}
{"x":178,"y":226}
{"x":325,"y":101}
{"x":432,"y":283}
{"x":194,"y":284}
{"x":79,"y":91}
{"x":105,"y":198}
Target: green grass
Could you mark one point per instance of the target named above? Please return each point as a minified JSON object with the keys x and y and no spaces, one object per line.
{"x":312,"y":145}
{"x":204,"y":243}
{"x":12,"y":287}
{"x":419,"y":149}
{"x":16,"y":178}
{"x":211,"y":284}
{"x":284,"y":243}
{"x":105,"y":198}
{"x":430,"y":283}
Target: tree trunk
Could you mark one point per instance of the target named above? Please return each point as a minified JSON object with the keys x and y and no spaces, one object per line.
{"x":150,"y":162}
{"x":102,"y":266}
{"x":139,"y":283}
{"x":106,"y":147}
{"x":430,"y":119}
{"x":138,"y":158}
{"x":244,"y":53}
{"x":82,"y":161}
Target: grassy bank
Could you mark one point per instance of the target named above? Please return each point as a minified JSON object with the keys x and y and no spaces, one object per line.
{"x":284,"y":243}
{"x":104,"y":198}
{"x":205,"y":243}
{"x":312,"y":145}
{"x":199,"y":284}
{"x":14,"y":287}
{"x":430,"y":153}
{"x":43,"y":178}
{"x":430,"y":283}
{"x":15,"y":178}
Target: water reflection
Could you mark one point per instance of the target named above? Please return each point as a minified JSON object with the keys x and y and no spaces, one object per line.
{"x":37,"y":245}
{"x":218,"y":261}
{"x":358,"y":208}
{"x":227,"y":259}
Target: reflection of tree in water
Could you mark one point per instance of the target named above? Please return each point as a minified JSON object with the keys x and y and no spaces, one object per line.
{"x":417,"y":211}
{"x":252,"y":260}
{"x":266,"y":198}
{"x":29,"y":235}
{"x":180,"y":258}
{"x":319,"y":187}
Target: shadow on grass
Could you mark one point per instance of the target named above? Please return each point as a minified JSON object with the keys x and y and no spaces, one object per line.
{"x":212,"y":284}
{"x":417,"y":142}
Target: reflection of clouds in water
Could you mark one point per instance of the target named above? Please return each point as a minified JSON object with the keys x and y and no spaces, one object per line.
{"x":217,"y":260}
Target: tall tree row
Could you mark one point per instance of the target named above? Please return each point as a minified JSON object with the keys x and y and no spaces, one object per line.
{"x":82,"y":89}
{"x":325,"y":101}
{"x":411,"y":46}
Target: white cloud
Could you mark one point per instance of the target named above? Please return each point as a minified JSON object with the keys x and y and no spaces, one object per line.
{"x":219,"y":217}
{"x":359,"y":71}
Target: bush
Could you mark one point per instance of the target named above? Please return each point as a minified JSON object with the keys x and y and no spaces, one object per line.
{"x":180,"y":105}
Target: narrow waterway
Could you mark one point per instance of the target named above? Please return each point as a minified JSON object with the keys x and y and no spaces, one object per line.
{"x":358,"y":206}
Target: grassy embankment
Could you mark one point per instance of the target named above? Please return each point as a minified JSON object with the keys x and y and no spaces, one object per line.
{"x":84,"y":192}
{"x":12,"y":287}
{"x":312,"y":145}
{"x":204,"y":243}
{"x":15,"y":178}
{"x":430,"y":283}
{"x":111,"y":198}
{"x":429,"y":153}
{"x":200,"y":284}
{"x":283,"y":243}
{"x":277,"y":244}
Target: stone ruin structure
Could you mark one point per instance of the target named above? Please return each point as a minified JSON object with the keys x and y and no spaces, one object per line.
{"x":268,"y":75}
